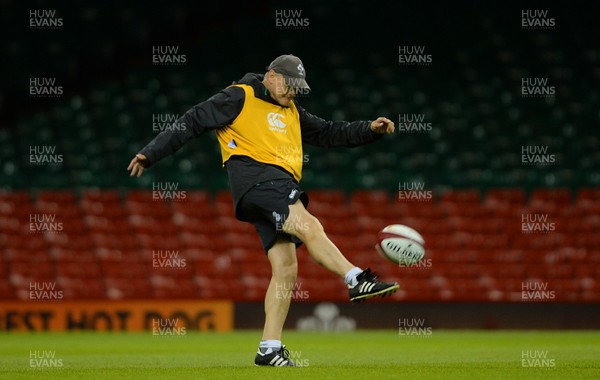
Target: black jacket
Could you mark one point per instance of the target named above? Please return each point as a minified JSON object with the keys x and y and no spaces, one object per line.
{"x":222,"y":109}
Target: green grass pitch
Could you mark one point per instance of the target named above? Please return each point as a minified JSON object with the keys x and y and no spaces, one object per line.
{"x":356,"y":355}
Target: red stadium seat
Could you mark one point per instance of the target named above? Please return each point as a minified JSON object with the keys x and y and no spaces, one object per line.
{"x":558,"y":196}
{"x":81,"y":288}
{"x":66,"y":197}
{"x":7,"y":292}
{"x":201,"y":210}
{"x":78,"y":269}
{"x":194,"y":225}
{"x":193,"y":240}
{"x":22,"y":271}
{"x":224,"y":204}
{"x":465,"y":289}
{"x":125,"y":268}
{"x":325,"y":289}
{"x":513,"y":196}
{"x":220,"y":288}
{"x":467,"y":197}
{"x":370,"y":225}
{"x":591,"y":194}
{"x":15,"y":197}
{"x":427,"y":210}
{"x":148,"y":208}
{"x":340,"y":226}
{"x":3,"y":268}
{"x":329,"y":197}
{"x":173,"y":287}
{"x":477,"y":250}
{"x":102,"y":196}
{"x":380,"y":210}
{"x":115,"y":211}
{"x":128,"y":288}
{"x":258,"y":268}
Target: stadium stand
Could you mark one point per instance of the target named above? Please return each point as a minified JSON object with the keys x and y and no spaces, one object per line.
{"x":111,"y":227}
{"x":477,"y":249}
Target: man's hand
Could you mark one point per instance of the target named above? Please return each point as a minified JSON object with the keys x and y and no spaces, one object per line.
{"x":382,"y":125}
{"x":137,"y":165}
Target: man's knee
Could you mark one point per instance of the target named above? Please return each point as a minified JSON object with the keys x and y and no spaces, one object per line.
{"x":302,"y":224}
{"x":284,"y":263}
{"x":310,"y":230}
{"x":287,"y":270}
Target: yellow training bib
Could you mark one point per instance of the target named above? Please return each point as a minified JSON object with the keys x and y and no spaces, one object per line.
{"x":265,"y":132}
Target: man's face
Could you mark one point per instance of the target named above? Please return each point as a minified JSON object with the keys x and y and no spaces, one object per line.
{"x":279,"y":90}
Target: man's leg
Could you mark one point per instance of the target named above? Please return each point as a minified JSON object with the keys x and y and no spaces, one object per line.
{"x":362,"y":284}
{"x":284,"y":268}
{"x":307,"y":228}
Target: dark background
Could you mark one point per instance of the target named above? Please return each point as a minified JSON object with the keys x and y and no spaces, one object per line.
{"x":480,"y":255}
{"x":470,"y":93}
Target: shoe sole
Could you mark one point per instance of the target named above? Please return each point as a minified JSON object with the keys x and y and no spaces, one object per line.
{"x":382,"y":293}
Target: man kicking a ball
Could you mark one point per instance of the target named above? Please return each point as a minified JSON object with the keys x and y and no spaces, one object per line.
{"x":261,"y":130}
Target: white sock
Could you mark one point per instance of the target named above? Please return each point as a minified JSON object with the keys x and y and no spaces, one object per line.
{"x":268,"y":346}
{"x":350,"y":277}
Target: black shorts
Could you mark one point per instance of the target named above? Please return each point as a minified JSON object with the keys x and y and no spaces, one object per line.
{"x":266,"y":206}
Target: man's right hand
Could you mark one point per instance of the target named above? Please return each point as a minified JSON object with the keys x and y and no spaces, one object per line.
{"x":137,"y":165}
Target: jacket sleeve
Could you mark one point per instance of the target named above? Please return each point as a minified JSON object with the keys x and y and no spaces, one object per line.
{"x":326,"y":134}
{"x":219,"y":110}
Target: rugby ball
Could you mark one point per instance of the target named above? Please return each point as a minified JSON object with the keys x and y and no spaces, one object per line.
{"x":400,"y":244}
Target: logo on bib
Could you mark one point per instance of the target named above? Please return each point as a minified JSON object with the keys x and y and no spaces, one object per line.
{"x":276,"y":123}
{"x":274,"y":120}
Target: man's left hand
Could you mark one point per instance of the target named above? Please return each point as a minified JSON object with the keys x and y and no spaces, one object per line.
{"x":382,"y":125}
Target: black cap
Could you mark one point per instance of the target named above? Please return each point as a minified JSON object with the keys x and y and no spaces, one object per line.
{"x":292,"y":69}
